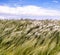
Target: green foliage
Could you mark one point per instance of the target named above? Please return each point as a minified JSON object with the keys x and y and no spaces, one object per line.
{"x":29,"y":37}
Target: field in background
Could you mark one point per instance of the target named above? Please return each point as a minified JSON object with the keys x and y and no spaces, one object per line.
{"x":29,"y":37}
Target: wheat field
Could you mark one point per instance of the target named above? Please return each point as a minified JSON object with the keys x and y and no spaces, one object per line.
{"x":29,"y":37}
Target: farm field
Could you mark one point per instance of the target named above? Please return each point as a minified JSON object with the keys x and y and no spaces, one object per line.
{"x":29,"y":37}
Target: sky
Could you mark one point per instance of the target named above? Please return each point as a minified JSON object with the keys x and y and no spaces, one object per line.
{"x":29,"y":9}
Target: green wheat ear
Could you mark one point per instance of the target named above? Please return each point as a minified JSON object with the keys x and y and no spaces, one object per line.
{"x":29,"y":37}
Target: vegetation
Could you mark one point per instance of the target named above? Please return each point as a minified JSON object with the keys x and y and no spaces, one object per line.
{"x":29,"y":37}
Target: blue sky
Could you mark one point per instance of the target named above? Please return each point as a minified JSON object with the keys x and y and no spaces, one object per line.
{"x":51,"y":4}
{"x":30,"y":7}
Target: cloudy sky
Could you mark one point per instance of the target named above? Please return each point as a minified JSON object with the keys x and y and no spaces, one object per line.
{"x":30,"y":8}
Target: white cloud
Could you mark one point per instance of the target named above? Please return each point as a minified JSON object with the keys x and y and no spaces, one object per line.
{"x":55,"y":1}
{"x":29,"y":10}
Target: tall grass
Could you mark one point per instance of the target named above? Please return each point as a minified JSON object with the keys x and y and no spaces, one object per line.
{"x":29,"y":37}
